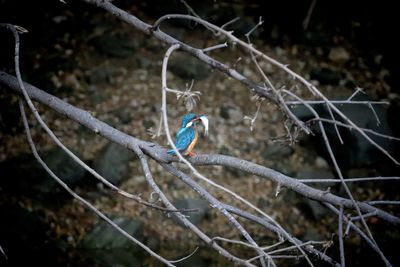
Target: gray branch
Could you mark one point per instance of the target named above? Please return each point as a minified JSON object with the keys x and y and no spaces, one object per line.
{"x":159,"y":154}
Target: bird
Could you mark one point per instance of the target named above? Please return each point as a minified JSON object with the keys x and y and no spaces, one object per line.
{"x":187,"y":136}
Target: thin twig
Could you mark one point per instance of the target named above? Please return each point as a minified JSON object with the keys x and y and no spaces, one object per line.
{"x":154,"y":30}
{"x":371,"y":243}
{"x":306,"y":21}
{"x":349,"y":180}
{"x":335,"y":163}
{"x":337,"y":102}
{"x":208,"y":197}
{"x":58,"y":142}
{"x":335,"y":125}
{"x":308,"y":243}
{"x":159,"y":154}
{"x":355,"y":218}
{"x":378,"y":122}
{"x":340,"y":236}
{"x":229,"y":22}
{"x":181,"y":217}
{"x":352,"y":127}
{"x":3,"y":253}
{"x":384,"y":202}
{"x":186,"y":257}
{"x":358,"y":90}
{"x":214,"y":47}
{"x":79,"y":198}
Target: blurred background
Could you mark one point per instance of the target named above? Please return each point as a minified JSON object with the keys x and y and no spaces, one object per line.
{"x":94,"y":61}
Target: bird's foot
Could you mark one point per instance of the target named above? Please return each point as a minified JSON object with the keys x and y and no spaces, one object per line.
{"x":191,"y":154}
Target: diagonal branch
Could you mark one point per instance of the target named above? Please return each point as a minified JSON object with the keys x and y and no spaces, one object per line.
{"x":159,"y":153}
{"x":79,"y":198}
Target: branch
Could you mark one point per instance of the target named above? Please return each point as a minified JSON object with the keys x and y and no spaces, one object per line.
{"x":181,"y":217}
{"x":153,"y":150}
{"x":79,"y":198}
{"x":168,"y":39}
{"x":203,"y":193}
{"x":159,"y":153}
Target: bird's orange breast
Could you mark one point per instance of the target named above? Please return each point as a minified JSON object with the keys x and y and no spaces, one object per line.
{"x":192,"y":145}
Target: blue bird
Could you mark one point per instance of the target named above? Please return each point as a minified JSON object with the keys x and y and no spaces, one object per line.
{"x":187,"y":136}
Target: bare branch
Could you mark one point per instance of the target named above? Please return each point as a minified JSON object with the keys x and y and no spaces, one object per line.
{"x":349,"y":180}
{"x":384,"y":202}
{"x":370,"y":242}
{"x":229,"y":22}
{"x":306,"y":21}
{"x":79,"y":198}
{"x":338,"y":102}
{"x":334,"y":161}
{"x":352,"y":127}
{"x":214,"y":47}
{"x":340,"y":231}
{"x":159,"y":154}
{"x":181,"y":217}
{"x":267,"y":91}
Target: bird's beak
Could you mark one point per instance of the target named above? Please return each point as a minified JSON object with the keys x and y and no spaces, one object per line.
{"x":204,"y":121}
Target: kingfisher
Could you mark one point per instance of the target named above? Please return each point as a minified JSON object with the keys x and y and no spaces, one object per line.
{"x":187,"y":136}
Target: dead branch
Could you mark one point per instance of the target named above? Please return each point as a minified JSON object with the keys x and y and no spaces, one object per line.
{"x":280,"y":97}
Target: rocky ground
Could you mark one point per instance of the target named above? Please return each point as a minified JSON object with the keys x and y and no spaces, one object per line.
{"x":114,"y":72}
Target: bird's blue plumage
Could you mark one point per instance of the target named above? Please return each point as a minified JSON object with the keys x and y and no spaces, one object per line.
{"x":187,"y":118}
{"x":185,"y":135}
{"x":183,"y":139}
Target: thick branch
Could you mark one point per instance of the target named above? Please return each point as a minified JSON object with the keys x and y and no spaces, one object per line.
{"x":159,"y":153}
{"x":196,"y":52}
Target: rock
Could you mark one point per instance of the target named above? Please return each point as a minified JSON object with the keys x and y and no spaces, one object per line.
{"x":26,"y":174}
{"x":125,"y":115}
{"x":326,"y":76}
{"x":109,"y":248}
{"x":113,"y":163}
{"x":225,"y":150}
{"x":339,"y":54}
{"x":143,"y":62}
{"x":321,"y":163}
{"x":147,"y":123}
{"x":302,"y":112}
{"x":104,"y":237}
{"x":10,"y":117}
{"x":356,"y":151}
{"x":96,"y":95}
{"x":65,"y":167}
{"x":189,"y":68}
{"x":252,"y":144}
{"x":317,"y":38}
{"x":101,"y":75}
{"x":313,"y":209}
{"x":312,"y":234}
{"x":277,"y":151}
{"x":235,"y":172}
{"x":233,"y":115}
{"x":192,"y":203}
{"x":117,"y":45}
{"x":236,"y":116}
{"x":25,"y":232}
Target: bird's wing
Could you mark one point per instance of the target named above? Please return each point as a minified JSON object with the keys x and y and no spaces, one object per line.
{"x":185,"y":138}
